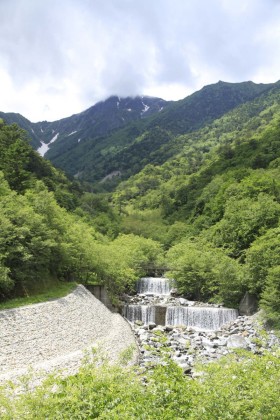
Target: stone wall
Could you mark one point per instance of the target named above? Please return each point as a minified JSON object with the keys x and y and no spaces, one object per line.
{"x":56,"y":333}
{"x":100,"y":292}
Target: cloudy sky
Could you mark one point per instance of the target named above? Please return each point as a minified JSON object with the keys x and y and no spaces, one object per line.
{"x":59,"y":57}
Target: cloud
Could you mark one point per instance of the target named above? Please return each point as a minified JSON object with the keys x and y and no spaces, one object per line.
{"x":60,"y":57}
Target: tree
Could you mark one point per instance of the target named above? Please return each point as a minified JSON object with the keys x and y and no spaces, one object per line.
{"x":243,"y":221}
{"x":270,"y":297}
{"x":202,"y":272}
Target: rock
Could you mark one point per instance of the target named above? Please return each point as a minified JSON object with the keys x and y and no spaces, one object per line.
{"x":183,"y":301}
{"x":152,"y":325}
{"x":174,"y":292}
{"x":235,"y":331}
{"x":248,"y":304}
{"x":168,"y":328}
{"x":207,"y":343}
{"x":221,"y":342}
{"x":237,"y":341}
{"x":187,"y":370}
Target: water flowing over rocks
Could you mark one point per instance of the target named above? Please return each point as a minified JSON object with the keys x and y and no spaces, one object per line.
{"x":154,"y":303}
{"x":216,"y":331}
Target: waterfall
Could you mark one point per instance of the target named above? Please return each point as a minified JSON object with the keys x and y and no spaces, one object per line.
{"x":153,"y":285}
{"x":204,"y":318}
{"x":157,"y":306}
{"x":142,"y":313}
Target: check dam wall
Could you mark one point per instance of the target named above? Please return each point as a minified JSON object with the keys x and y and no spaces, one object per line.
{"x":54,"y":335}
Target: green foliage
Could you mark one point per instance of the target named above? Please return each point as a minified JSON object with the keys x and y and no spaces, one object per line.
{"x":240,"y":386}
{"x":97,"y":211}
{"x":202,"y":272}
{"x":270,"y":298}
{"x":243,"y":221}
{"x":106,"y":147}
{"x":223,"y":186}
{"x":263,"y":255}
{"x":22,"y":167}
{"x":124,"y":260}
{"x":215,"y":180}
{"x":52,"y":290}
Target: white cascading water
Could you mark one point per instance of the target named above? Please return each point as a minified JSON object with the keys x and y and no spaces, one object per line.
{"x":200,"y":317}
{"x":204,"y":318}
{"x":142,"y":313}
{"x":153,"y":285}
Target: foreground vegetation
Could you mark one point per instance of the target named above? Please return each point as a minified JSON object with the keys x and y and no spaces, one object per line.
{"x":241,"y":386}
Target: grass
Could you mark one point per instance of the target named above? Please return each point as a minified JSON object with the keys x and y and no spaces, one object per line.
{"x":54,"y":291}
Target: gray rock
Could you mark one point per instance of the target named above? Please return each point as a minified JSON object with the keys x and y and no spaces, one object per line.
{"x":168,"y":328}
{"x":248,"y":304}
{"x":237,"y":341}
{"x":183,"y":301}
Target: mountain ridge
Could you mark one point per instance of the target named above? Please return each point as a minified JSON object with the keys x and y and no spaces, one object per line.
{"x":107,"y":115}
{"x":108,"y":137}
{"x":130,"y":148}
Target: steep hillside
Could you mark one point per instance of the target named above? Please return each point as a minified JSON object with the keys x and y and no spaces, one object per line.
{"x":216,"y":206}
{"x":32,"y":130}
{"x":98,"y":120}
{"x":191,"y":153}
{"x":121,"y":135}
{"x":209,"y":198}
{"x":48,"y":229}
{"x":22,"y":167}
{"x":128,"y":150}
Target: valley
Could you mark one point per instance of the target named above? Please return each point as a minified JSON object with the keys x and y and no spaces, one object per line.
{"x":144,"y":188}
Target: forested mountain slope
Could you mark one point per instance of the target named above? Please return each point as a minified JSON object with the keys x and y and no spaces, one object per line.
{"x":128,"y":150}
{"x":205,"y":207}
{"x":216,"y":206}
{"x":51,"y":230}
{"x":120,"y":136}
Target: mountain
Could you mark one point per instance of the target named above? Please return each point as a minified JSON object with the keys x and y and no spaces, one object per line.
{"x":246,"y":137}
{"x":126,"y":151}
{"x":120,"y":136}
{"x":31,"y":128}
{"x":98,"y":120}
{"x":200,"y":179}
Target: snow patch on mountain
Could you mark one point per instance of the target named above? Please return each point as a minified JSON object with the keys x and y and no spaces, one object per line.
{"x":42,"y":150}
{"x":145,"y":108}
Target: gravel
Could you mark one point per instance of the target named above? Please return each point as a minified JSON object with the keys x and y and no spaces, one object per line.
{"x":56,"y":335}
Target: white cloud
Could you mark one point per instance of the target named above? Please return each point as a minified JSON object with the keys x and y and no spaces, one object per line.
{"x":60,"y":57}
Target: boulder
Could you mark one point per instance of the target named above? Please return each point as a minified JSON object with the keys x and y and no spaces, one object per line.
{"x":236,"y":341}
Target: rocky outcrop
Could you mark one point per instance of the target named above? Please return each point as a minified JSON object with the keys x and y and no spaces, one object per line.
{"x":55,"y":334}
{"x":248,"y":304}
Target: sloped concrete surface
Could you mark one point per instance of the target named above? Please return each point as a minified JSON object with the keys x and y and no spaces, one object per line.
{"x":55,"y":335}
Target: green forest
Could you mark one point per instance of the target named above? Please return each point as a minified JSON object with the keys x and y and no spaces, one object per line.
{"x":203,"y":208}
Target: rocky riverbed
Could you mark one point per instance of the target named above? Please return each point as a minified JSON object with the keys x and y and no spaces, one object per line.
{"x":189,"y":331}
{"x":186,"y":345}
